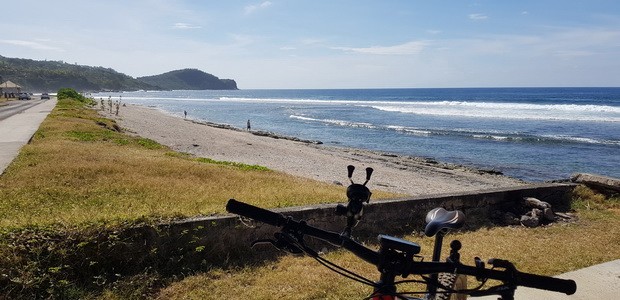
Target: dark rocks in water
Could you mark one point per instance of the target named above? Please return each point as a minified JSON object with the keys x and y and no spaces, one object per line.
{"x":258,"y":132}
{"x":277,"y":136}
{"x":490,"y":171}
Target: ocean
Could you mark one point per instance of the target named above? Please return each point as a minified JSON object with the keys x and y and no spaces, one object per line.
{"x":535,"y":134}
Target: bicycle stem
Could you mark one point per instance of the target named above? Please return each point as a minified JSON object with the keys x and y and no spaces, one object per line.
{"x":432,"y":289}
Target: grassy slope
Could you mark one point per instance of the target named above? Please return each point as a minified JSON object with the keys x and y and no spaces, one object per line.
{"x":79,"y":170}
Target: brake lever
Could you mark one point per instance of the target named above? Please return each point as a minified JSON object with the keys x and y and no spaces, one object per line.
{"x":502,"y":263}
{"x":506,"y":265}
{"x":505,"y":291}
{"x":282,"y":242}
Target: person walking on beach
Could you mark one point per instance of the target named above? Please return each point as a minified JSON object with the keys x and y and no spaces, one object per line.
{"x":185,"y":114}
{"x":249,"y":127}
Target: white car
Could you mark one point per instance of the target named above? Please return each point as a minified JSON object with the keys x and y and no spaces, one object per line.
{"x":24,"y":96}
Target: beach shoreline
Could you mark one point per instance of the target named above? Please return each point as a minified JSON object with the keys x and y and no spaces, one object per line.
{"x":305,"y":158}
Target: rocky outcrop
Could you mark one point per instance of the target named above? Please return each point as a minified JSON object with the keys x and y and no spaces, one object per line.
{"x":604,"y":184}
{"x":533,"y":213}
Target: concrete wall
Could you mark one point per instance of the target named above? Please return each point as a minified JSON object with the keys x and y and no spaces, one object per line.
{"x":221,"y":238}
{"x":198,"y":244}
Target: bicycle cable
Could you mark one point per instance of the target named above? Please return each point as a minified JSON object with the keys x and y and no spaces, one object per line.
{"x":344,"y":272}
{"x":298,"y":242}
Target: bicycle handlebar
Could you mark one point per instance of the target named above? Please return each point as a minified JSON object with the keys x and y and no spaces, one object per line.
{"x":256,"y":213}
{"x":566,"y":286}
{"x":515,"y":277}
{"x":278,"y":220}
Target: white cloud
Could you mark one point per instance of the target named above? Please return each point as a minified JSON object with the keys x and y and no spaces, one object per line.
{"x":31,"y":45}
{"x":252,"y":8}
{"x":185,"y":26}
{"x":568,"y":54}
{"x":477,"y":17}
{"x":413,"y":47}
{"x":311,"y":41}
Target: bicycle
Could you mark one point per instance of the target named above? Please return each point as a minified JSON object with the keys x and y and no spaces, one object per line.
{"x":439,"y":222}
{"x":398,"y":257}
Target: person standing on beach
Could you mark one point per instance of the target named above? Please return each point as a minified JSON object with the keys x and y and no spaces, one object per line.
{"x":249,"y":125}
{"x":185,"y":114}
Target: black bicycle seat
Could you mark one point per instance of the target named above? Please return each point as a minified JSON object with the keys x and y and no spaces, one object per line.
{"x":439,"y":218}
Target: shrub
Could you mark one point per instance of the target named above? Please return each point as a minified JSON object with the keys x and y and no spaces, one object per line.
{"x":69,"y":93}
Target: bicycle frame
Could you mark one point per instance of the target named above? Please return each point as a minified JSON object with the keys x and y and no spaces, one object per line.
{"x":395,"y":258}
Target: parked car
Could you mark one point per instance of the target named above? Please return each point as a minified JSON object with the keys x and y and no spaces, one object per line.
{"x":24,"y":96}
{"x":45,"y":96}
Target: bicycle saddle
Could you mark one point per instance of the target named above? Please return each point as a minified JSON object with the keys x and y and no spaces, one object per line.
{"x":439,"y":218}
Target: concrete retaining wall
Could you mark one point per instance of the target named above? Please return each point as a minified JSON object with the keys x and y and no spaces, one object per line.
{"x":220,"y":239}
{"x":199,"y":244}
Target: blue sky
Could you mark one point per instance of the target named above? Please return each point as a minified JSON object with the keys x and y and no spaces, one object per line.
{"x":330,"y":44}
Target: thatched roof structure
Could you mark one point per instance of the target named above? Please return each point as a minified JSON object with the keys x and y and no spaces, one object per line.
{"x":9,"y":87}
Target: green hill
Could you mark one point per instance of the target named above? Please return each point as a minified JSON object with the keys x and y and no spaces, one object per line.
{"x":189,"y":79}
{"x":49,"y":76}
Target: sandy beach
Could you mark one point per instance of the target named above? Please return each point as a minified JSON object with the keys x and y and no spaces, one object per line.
{"x":394,"y":173}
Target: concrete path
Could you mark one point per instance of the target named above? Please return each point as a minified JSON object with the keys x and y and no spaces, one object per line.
{"x":600,"y":282}
{"x":16,"y":130}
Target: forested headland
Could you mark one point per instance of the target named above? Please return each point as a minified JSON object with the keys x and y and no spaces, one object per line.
{"x":49,"y":76}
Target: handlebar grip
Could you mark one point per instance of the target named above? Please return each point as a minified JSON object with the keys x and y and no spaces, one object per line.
{"x":566,"y":286}
{"x":256,"y":213}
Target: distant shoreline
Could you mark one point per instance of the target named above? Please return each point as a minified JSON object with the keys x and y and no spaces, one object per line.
{"x":256,"y":132}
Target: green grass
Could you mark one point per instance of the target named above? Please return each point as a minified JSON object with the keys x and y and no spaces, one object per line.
{"x":79,"y":169}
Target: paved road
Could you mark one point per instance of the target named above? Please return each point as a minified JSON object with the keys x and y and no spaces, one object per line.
{"x":10,"y":108}
{"x":595,"y":282}
{"x":18,"y":122}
